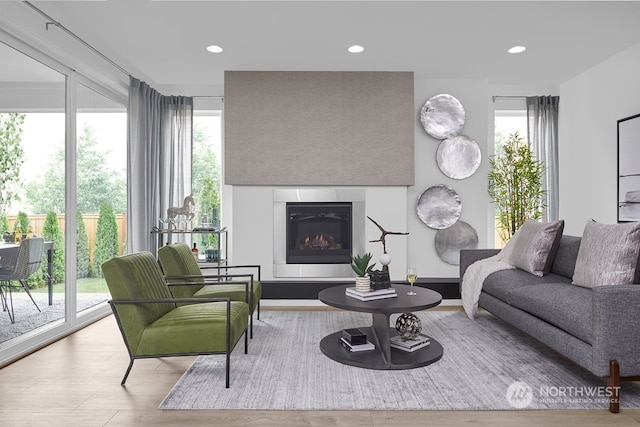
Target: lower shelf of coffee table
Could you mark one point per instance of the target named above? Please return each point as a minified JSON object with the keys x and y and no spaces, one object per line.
{"x":375,"y":359}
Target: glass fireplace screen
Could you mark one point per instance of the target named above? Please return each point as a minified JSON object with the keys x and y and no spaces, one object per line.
{"x":319,"y":233}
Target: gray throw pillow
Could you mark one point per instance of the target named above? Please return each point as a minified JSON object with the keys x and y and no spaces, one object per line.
{"x":536,"y":246}
{"x":608,"y":254}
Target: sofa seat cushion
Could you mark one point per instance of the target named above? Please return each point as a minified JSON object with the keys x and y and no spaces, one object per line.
{"x":567,"y":307}
{"x":236,"y":292}
{"x":194,"y":328}
{"x":502,"y":283}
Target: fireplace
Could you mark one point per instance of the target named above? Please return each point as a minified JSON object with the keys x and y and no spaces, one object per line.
{"x":333,"y":219}
{"x":319,"y":233}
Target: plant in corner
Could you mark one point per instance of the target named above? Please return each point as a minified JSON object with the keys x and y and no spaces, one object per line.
{"x":515,"y":185}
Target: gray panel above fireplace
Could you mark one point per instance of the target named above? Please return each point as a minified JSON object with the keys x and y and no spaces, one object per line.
{"x":298,"y":128}
{"x":280,"y":199}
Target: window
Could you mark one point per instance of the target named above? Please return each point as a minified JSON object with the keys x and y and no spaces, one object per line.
{"x":506,"y":123}
{"x":206,"y":171}
{"x":101,"y":195}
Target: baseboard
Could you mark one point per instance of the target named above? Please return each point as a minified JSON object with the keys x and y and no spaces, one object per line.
{"x":448,"y":287}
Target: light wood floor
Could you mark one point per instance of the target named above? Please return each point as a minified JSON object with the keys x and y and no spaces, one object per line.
{"x":76,"y":382}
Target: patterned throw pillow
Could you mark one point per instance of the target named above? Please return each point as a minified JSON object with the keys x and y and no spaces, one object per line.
{"x":608,"y":254}
{"x":536,"y":246}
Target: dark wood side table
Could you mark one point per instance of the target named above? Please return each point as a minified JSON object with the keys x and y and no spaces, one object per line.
{"x":380,"y":332}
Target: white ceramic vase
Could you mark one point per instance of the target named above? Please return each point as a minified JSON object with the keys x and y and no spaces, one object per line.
{"x":363,"y":284}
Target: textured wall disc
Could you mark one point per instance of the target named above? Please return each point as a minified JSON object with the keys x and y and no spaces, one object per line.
{"x":458,"y":157}
{"x":439,"y":206}
{"x":450,"y":241}
{"x":442,"y":116}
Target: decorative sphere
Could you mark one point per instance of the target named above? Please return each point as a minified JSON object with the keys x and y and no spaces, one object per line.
{"x":408,"y":326}
{"x":385,"y":259}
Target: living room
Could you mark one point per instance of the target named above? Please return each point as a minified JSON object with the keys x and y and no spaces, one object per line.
{"x":593,"y":98}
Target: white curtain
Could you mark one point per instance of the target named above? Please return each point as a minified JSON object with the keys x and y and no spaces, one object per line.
{"x":159,"y":160}
{"x":542,"y":128}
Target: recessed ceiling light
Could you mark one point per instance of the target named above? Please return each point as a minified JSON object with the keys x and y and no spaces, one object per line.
{"x":517,"y":49}
{"x":356,"y":48}
{"x":214,"y":49}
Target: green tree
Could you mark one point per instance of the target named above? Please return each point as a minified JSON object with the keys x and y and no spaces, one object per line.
{"x":206,"y":178}
{"x":4,"y":223}
{"x":51,"y":232}
{"x":22,"y":219}
{"x":11,"y":159}
{"x":515,"y":185}
{"x":97,"y":183}
{"x":209,"y":199}
{"x":83,"y":264}
{"x":106,"y":238}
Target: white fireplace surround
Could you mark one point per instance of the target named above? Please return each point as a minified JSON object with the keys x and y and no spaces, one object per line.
{"x":280,"y":199}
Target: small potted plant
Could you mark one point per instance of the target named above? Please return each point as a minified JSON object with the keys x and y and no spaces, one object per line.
{"x":361,"y":266}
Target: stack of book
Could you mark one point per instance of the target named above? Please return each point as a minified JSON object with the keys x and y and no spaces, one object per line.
{"x":421,"y":341}
{"x":357,"y":347}
{"x":355,"y":339}
{"x":371,"y":295}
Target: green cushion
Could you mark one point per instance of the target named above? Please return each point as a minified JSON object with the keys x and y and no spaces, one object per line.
{"x":137,"y":276}
{"x":177,"y":260}
{"x":235,"y":292}
{"x":194,"y":328}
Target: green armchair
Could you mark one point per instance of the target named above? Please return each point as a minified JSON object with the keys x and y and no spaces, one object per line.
{"x":153,"y":323}
{"x":186,"y":279}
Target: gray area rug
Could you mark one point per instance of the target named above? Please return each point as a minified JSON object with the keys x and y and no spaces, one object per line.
{"x":485,"y":362}
{"x":28,"y":318}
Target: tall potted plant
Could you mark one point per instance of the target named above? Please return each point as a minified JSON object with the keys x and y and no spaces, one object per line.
{"x":361,"y":266}
{"x":515,"y":186}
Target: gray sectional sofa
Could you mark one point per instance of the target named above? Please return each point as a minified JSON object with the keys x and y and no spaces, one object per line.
{"x":597,"y":328}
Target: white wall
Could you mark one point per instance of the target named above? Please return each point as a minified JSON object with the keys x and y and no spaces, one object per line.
{"x":590,"y":105}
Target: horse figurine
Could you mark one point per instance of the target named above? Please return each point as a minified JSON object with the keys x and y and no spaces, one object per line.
{"x":184,"y":210}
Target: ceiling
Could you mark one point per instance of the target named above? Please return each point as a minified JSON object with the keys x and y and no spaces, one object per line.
{"x":164,"y":41}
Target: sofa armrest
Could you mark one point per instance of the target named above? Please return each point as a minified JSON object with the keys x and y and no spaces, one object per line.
{"x":616,"y":328}
{"x":469,"y":256}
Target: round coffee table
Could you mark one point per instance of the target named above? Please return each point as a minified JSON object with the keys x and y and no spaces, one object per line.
{"x":380,"y":332}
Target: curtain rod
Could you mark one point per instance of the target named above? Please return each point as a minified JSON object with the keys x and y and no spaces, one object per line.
{"x":69,"y":32}
{"x":209,"y":96}
{"x":507,"y":97}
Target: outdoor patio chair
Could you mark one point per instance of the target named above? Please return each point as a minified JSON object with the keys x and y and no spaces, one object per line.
{"x":154,"y":323}
{"x":17,"y":267}
{"x":186,"y":279}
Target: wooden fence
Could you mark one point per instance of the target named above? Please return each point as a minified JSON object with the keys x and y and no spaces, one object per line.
{"x":90,"y":223}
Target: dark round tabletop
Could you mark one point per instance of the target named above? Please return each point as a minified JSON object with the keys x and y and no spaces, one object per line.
{"x":425,"y":298}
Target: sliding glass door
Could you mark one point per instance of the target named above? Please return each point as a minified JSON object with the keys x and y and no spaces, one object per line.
{"x":101,"y":191}
{"x":62,"y":177}
{"x":32,"y":140}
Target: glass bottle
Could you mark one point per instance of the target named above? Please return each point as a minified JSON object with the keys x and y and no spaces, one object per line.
{"x":17,"y":237}
{"x":195,"y":251}
{"x":29,"y":231}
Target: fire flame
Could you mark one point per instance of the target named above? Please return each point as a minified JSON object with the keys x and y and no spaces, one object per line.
{"x":319,"y":241}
